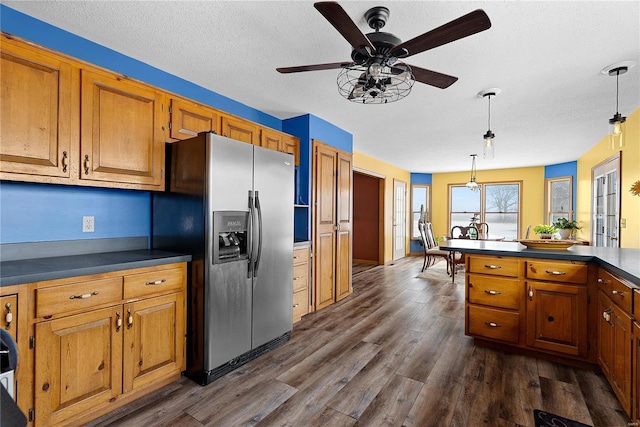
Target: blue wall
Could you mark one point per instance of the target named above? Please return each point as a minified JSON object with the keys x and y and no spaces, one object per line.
{"x":308,"y":127}
{"x":45,"y":212}
{"x":561,"y":170}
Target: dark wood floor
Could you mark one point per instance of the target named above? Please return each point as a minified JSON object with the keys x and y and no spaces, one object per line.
{"x":394,"y":353}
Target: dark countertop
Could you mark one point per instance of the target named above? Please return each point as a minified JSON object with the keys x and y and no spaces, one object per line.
{"x":622,"y":261}
{"x":40,"y":269}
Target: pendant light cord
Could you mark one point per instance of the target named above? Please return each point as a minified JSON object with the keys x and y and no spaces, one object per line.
{"x":489,"y":120}
{"x":617,"y":88}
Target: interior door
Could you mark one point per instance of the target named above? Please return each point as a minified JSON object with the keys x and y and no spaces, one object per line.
{"x":399,"y":218}
{"x":605,"y":206}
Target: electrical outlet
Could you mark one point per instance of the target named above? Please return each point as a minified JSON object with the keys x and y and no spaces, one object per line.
{"x":87,"y":224}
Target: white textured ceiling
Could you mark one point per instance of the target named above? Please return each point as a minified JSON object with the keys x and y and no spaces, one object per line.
{"x":545,"y":57}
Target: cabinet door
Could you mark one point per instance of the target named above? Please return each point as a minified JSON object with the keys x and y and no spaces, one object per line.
{"x":271,"y":139}
{"x":187,"y":119}
{"x":153,"y":347}
{"x":605,"y":335}
{"x":78,"y":364}
{"x":344,"y":210}
{"x":35,"y":106}
{"x":636,"y":373}
{"x":122,"y":139}
{"x":325,"y":226}
{"x":620,"y":369}
{"x":556,"y":317}
{"x":240,"y":130}
{"x":291,"y":145}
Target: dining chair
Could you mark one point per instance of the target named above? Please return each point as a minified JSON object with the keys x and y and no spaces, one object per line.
{"x":483,"y":229}
{"x":462,"y":232}
{"x":434,"y":250}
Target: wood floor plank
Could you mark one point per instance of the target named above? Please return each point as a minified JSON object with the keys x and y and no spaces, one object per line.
{"x":555,"y":371}
{"x":520,"y":389}
{"x":564,"y":399}
{"x":392,"y":404}
{"x":358,"y":394}
{"x":333,"y":418}
{"x":437,"y":400}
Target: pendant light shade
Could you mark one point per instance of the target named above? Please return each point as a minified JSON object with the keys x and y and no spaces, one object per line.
{"x":616,"y":123}
{"x":488,"y":150}
{"x":472,"y":184}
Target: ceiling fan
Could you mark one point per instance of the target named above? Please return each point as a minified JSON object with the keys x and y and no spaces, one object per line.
{"x":376,"y":73}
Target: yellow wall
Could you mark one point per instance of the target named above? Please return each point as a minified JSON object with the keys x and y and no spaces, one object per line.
{"x":630,"y":172}
{"x":532,"y":194}
{"x":367,"y":163}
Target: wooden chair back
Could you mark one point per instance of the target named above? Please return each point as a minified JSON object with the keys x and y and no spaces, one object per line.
{"x":461,"y":232}
{"x":483,"y":229}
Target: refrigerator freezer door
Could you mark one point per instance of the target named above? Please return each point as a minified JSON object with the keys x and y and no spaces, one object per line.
{"x":273,"y":284}
{"x":228,"y":294}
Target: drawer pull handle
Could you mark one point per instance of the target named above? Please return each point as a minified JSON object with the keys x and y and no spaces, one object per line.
{"x":530,"y":293}
{"x":157,"y":282}
{"x":297,"y":278}
{"x":556,"y":273}
{"x":493,"y":324}
{"x":84,"y":296}
{"x":601,"y":280}
{"x":296,"y":306}
{"x":86,"y":164}
{"x":607,"y":315}
{"x":129,"y":319}
{"x":620,"y":294}
{"x":296,"y":256}
{"x":65,"y":161}
{"x":8,"y":318}
{"x":493,"y":267}
{"x":492,"y":292}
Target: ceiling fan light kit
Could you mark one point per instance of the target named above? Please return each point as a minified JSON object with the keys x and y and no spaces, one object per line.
{"x":618,"y":120}
{"x":489,"y":143}
{"x":375,"y":75}
{"x":472,"y":184}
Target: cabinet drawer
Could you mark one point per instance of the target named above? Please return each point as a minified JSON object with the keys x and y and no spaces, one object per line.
{"x":300,"y":304}
{"x":77,"y":296}
{"x":616,"y":289}
{"x":300,"y":277}
{"x":557,"y":271}
{"x":153,"y":282}
{"x":494,"y":291}
{"x":497,"y":266}
{"x":493,"y":323}
{"x":301,"y":255}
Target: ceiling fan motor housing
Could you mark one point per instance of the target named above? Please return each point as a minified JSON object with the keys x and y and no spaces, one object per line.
{"x":383,"y":42}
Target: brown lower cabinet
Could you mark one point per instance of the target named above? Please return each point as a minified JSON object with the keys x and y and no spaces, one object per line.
{"x":97,"y":342}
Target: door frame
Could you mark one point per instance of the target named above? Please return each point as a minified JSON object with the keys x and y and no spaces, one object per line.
{"x":605,"y":168}
{"x":394,"y":252}
{"x":382,"y":179}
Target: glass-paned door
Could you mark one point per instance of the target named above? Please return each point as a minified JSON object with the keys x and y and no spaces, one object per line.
{"x":399,"y":218}
{"x":606,"y":204}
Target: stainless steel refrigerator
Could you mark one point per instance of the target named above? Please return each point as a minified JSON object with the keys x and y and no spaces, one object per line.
{"x":229,"y":204}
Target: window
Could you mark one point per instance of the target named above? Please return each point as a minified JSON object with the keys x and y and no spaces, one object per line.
{"x":419,"y":200}
{"x":558,"y":199}
{"x":496,"y":204}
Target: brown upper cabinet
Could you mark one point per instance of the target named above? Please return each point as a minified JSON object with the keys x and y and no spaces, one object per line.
{"x":68,"y":122}
{"x":240,"y":130}
{"x":35,"y":102}
{"x":187,"y":119}
{"x":280,"y":141}
{"x":121,"y":131}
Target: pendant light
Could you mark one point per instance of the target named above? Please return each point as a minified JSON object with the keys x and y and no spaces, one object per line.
{"x":472,"y":184}
{"x":617,"y":121}
{"x":489,"y":143}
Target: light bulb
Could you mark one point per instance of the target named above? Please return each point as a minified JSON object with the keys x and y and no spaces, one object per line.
{"x":488,"y":148}
{"x":375,"y":69}
{"x":617,"y":128}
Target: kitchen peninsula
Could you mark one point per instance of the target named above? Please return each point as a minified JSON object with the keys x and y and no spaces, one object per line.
{"x":579,"y":306}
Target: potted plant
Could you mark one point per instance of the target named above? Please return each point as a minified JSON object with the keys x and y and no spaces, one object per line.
{"x":566,"y":227}
{"x":544,"y":231}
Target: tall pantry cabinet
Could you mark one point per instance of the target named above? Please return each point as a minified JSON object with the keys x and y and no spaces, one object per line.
{"x":332,"y":224}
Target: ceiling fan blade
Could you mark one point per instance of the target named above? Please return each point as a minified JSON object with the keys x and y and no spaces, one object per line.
{"x":335,"y":14}
{"x":469,"y":24}
{"x":314,"y":67}
{"x":432,"y":78}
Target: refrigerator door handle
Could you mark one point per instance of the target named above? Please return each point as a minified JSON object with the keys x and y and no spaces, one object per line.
{"x":250,"y":237}
{"x":259,"y":224}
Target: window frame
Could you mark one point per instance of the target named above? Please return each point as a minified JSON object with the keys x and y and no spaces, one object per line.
{"x":548,"y":182}
{"x":427,"y":188}
{"x":483,"y":203}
